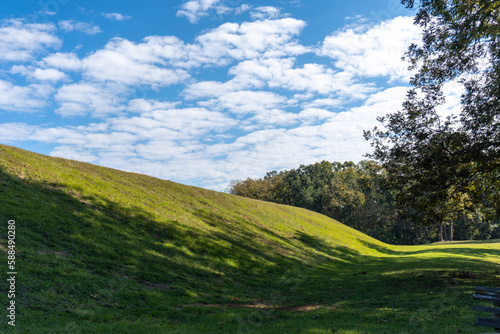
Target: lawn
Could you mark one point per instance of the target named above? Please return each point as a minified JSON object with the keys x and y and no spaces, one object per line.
{"x":103,"y":251}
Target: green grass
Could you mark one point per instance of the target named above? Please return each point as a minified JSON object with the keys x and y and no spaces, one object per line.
{"x":104,"y":251}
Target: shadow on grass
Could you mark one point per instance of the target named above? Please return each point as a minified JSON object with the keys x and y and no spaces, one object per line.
{"x":320,"y":245}
{"x":379,"y":248}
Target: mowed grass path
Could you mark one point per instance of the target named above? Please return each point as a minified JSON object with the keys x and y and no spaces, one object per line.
{"x":104,"y":251}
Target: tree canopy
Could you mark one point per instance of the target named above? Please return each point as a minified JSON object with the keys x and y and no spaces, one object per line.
{"x":440,"y":165}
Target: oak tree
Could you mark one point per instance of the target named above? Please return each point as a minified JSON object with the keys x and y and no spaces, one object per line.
{"x":439,"y":165}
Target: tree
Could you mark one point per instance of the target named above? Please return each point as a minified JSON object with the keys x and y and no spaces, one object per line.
{"x":308,"y":186}
{"x":256,"y":189}
{"x":439,"y":166}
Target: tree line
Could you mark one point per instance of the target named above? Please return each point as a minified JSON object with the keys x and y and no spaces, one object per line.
{"x":361,"y":196}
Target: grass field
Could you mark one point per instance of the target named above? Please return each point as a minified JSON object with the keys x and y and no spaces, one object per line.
{"x":104,"y":251}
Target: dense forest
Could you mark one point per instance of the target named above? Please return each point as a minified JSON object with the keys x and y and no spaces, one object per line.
{"x":360,"y":196}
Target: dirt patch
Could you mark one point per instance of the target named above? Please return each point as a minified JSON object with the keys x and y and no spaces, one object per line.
{"x":295,"y":308}
{"x":20,"y":175}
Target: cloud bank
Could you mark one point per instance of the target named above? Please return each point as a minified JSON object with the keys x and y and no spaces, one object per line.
{"x":238,"y":100}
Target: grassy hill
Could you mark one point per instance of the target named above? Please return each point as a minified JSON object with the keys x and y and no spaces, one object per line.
{"x":103,"y":251}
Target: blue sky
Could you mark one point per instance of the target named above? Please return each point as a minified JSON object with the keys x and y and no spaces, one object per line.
{"x":200,"y":92}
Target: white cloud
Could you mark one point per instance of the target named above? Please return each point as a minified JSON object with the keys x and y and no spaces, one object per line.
{"x":453,"y":92}
{"x":268,"y":38}
{"x":247,"y":102}
{"x":271,"y":118}
{"x":276,"y":118}
{"x":158,"y":60}
{"x":115,"y":16}
{"x":40,"y":74}
{"x":49,"y":74}
{"x":328,"y":102}
{"x":206,"y":89}
{"x":83,"y":98}
{"x":265,"y":12}
{"x":193,"y":10}
{"x":66,"y":25}
{"x":49,"y":13}
{"x":143,"y":105}
{"x":20,"y":41}
{"x":84,"y":27}
{"x":16,"y":131}
{"x":128,"y":63}
{"x":280,"y":73}
{"x":241,"y":9}
{"x":373,"y":51}
{"x":316,"y":113}
{"x":61,"y":135}
{"x":192,"y":121}
{"x":28,"y":98}
{"x":73,"y":153}
{"x":63,"y":60}
{"x":167,"y":149}
{"x":97,"y":137}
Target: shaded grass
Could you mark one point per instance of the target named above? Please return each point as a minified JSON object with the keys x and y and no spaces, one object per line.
{"x":104,"y":251}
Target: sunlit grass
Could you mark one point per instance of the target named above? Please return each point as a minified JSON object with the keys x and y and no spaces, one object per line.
{"x":104,"y":251}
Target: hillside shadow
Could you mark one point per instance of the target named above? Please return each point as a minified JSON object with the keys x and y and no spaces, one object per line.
{"x":320,"y":245}
{"x":379,"y":248}
{"x":256,"y":239}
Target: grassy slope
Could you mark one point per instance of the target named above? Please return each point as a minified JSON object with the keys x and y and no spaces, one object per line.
{"x":104,"y":251}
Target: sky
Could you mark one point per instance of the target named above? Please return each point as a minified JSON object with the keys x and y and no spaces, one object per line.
{"x":201,"y":92}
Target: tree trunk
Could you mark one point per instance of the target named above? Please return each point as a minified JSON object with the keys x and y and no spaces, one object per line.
{"x":445,"y":230}
{"x":440,"y":234}
{"x":451,"y":231}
